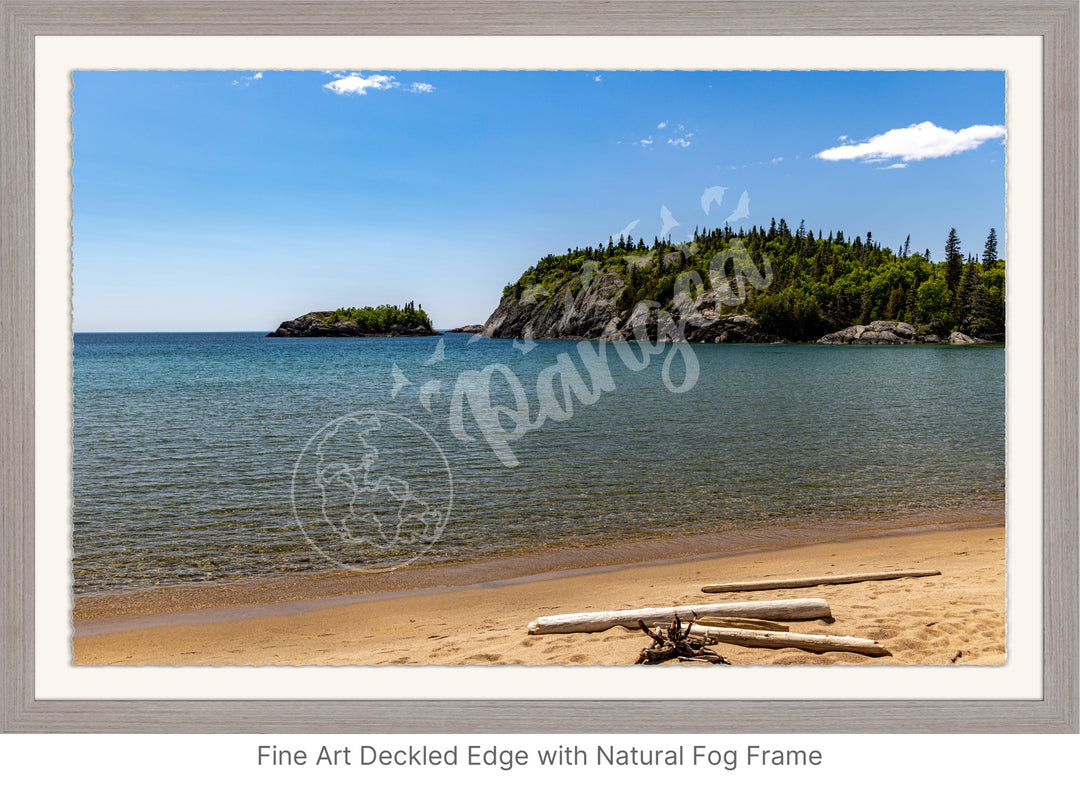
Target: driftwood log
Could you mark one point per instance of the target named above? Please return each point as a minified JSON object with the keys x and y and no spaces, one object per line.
{"x":772,"y":610}
{"x":741,"y":623}
{"x":816,"y":643}
{"x":677,"y":643}
{"x":807,"y":582}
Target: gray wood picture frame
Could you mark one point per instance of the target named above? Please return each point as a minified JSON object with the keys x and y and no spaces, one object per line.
{"x":1056,"y":21}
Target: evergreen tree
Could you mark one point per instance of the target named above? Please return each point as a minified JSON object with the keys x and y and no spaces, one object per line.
{"x":990,"y":252}
{"x":972,"y":313}
{"x":954,"y":262}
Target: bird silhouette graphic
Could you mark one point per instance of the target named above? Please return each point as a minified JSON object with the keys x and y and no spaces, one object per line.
{"x":711,"y":195}
{"x":742,"y":210}
{"x":668,"y":220}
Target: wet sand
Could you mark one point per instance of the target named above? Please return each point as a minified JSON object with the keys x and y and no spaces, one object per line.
{"x":478,"y":614}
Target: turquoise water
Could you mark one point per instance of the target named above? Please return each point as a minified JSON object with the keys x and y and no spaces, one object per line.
{"x":209,"y":456}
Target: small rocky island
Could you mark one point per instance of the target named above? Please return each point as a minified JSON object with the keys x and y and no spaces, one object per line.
{"x":367,"y":321}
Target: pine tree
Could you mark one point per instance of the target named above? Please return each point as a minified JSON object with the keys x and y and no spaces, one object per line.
{"x":971,"y":313}
{"x":954,"y":262}
{"x":990,"y":252}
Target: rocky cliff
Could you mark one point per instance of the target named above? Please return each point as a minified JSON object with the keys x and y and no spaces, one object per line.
{"x":598,"y":311}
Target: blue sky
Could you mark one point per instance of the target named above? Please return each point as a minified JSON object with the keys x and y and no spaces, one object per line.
{"x":220,"y":201}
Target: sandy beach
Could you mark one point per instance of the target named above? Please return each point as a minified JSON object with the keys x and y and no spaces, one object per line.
{"x":924,"y":620}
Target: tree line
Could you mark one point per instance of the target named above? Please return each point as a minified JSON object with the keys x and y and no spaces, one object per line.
{"x":819,"y":283}
{"x":383,"y":317}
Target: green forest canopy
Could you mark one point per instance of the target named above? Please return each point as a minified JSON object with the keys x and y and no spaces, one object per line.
{"x":381,"y":318}
{"x":818,"y":285}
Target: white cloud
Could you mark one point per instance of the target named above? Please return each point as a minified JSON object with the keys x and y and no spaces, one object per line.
{"x":898,"y":166}
{"x":598,"y":78}
{"x":421,"y":87}
{"x":680,"y":142}
{"x":645,"y":142}
{"x":359,"y":84}
{"x":662,"y":124}
{"x":245,"y":81}
{"x":777,"y":159}
{"x":914,"y":143}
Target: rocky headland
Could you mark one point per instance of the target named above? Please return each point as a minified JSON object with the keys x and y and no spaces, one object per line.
{"x":593,"y":313}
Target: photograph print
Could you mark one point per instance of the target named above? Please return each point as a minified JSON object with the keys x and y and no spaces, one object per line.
{"x":681,"y":368}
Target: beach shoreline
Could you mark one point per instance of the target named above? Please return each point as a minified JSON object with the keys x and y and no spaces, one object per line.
{"x":478,"y":614}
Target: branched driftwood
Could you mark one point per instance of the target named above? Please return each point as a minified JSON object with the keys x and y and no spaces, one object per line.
{"x":676,"y":643}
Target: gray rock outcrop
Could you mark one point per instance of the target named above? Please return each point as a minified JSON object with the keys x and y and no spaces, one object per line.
{"x":597,"y":311}
{"x":880,"y":332}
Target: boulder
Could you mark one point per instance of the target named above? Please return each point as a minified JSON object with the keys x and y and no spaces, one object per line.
{"x":879,"y":332}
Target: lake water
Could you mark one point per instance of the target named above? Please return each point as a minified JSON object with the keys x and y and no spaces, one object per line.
{"x":216,"y":457}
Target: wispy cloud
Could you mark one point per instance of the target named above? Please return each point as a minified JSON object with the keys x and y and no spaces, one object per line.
{"x":421,"y":87}
{"x":680,"y":142}
{"x":245,"y":81}
{"x":914,"y":143}
{"x":777,"y":159}
{"x":897,"y":166}
{"x":598,"y":78}
{"x":662,"y":124}
{"x":645,"y":142}
{"x":358,"y":84}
